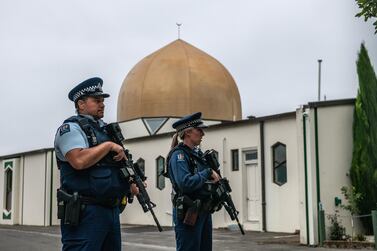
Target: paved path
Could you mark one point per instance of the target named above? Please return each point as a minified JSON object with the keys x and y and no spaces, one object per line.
{"x":147,"y":238}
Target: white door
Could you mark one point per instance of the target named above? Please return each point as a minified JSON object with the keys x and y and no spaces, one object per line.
{"x":253,"y":190}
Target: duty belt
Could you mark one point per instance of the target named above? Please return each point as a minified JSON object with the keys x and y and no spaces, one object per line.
{"x":110,"y":202}
{"x":105,"y":202}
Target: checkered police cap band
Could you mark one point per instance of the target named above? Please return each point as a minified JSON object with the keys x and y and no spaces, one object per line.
{"x":192,"y":123}
{"x":90,"y":87}
{"x":90,"y":90}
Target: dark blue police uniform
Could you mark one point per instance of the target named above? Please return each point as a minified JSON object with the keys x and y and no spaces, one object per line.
{"x":188,"y":172}
{"x":101,"y":185}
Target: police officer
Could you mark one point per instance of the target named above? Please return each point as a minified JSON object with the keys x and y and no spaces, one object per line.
{"x":189,"y":172}
{"x":89,"y":167}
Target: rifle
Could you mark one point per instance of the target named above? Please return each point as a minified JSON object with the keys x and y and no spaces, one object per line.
{"x":223,"y":189}
{"x":133,"y":173}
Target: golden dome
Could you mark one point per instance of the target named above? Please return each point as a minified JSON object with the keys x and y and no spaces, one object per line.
{"x":177,"y":80}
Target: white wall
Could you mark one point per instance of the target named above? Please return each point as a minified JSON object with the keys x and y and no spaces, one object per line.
{"x":149,"y":150}
{"x":133,"y":129}
{"x":34,"y":190}
{"x":302,"y":177}
{"x":55,"y":186}
{"x":282,"y":202}
{"x":335,"y":143}
{"x":50,"y":189}
{"x":224,"y":140}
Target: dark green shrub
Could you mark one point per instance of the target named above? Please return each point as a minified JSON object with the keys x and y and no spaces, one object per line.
{"x":337,"y":231}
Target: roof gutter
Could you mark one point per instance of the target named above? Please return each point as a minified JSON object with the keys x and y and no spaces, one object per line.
{"x":306,"y":179}
{"x":319,"y":204}
{"x":263,"y":177}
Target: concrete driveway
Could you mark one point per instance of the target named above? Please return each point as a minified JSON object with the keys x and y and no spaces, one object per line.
{"x":147,"y":238}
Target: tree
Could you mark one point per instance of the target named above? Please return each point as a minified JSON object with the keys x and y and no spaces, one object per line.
{"x":368,"y":10}
{"x":364,"y":160}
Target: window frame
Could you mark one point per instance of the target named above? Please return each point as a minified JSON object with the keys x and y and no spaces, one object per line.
{"x":8,"y":188}
{"x":253,"y":161}
{"x":159,"y":173}
{"x":282,"y":164}
{"x":233,"y":154}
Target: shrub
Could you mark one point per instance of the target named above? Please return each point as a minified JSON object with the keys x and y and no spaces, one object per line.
{"x":337,"y":231}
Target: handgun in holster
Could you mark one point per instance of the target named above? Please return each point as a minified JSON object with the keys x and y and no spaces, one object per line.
{"x":187,"y":209}
{"x":69,"y":207}
{"x":192,"y":213}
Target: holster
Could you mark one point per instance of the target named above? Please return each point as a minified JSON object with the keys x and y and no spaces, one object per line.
{"x":180,"y":203}
{"x":187,"y":209}
{"x":192,"y":213}
{"x":69,"y":208}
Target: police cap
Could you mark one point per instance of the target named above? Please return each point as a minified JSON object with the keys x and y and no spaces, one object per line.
{"x":193,"y":120}
{"x":90,"y":87}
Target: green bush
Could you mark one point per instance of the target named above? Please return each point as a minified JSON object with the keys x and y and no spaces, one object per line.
{"x":337,"y":231}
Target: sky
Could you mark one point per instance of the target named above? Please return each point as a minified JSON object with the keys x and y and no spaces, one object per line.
{"x":271,"y":49}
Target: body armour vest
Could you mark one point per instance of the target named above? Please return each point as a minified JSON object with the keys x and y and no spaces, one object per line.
{"x":196,"y":162}
{"x":102,"y":180}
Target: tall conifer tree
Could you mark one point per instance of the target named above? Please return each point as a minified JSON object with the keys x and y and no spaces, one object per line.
{"x":364,"y":159}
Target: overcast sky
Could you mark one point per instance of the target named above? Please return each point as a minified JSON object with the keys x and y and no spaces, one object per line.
{"x":270,"y":47}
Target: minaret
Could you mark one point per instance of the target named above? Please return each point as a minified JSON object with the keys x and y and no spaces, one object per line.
{"x":179,"y":29}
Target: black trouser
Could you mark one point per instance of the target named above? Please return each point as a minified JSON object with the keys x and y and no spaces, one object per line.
{"x":193,"y":238}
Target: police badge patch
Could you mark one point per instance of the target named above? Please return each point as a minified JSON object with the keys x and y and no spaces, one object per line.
{"x":180,"y":157}
{"x":64,"y":129}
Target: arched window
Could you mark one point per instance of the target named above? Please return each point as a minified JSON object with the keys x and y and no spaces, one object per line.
{"x":160,"y":167}
{"x":8,"y":185}
{"x":279,"y":163}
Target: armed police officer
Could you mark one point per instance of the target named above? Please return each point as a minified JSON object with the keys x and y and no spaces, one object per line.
{"x":189,"y":173}
{"x":89,"y":200}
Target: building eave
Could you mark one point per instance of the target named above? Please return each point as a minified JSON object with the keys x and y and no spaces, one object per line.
{"x":336,"y":102}
{"x":15,"y":155}
{"x":224,"y":124}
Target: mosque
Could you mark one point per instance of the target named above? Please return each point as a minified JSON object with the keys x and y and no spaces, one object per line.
{"x":283,"y":168}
